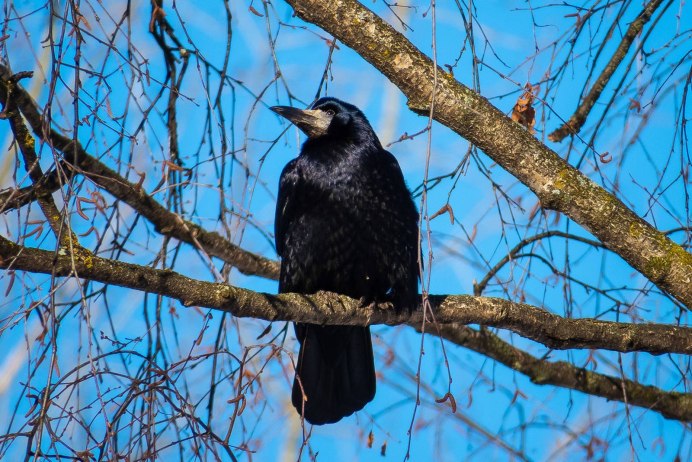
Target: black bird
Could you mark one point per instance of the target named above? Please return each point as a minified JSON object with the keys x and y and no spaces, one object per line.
{"x":346,"y":223}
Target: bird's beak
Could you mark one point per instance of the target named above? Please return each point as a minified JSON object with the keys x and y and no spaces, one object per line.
{"x":312,"y":122}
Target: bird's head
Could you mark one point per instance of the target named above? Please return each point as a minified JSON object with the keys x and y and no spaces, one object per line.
{"x":327,"y":116}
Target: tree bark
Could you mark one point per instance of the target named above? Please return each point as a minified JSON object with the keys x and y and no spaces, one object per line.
{"x":451,"y":313}
{"x":332,"y":309}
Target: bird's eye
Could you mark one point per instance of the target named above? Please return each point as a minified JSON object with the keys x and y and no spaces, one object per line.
{"x":330,"y":112}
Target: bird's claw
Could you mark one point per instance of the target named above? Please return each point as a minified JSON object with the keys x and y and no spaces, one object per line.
{"x":367,"y":303}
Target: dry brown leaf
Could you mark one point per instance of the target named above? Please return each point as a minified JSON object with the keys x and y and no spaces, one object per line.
{"x":255,"y":12}
{"x":445,"y":209}
{"x":523,"y":112}
{"x":634,"y":104}
{"x":448,"y":397}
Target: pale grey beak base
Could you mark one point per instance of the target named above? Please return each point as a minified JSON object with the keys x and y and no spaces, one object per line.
{"x":312,"y":122}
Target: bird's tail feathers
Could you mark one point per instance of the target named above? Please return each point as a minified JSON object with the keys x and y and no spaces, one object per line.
{"x":335,"y":376}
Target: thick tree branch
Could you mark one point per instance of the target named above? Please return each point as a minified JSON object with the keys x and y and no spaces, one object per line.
{"x":328,"y":308}
{"x":574,"y":124}
{"x":672,"y":405}
{"x":558,"y":185}
{"x":451,"y":313}
{"x":165,"y":221}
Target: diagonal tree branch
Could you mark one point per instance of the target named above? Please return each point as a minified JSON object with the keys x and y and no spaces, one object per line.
{"x":165,"y":221}
{"x":574,"y":124}
{"x":558,"y":185}
{"x":27,"y":148}
{"x":672,"y":405}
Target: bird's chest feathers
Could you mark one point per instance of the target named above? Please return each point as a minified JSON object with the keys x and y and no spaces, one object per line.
{"x":336,"y":181}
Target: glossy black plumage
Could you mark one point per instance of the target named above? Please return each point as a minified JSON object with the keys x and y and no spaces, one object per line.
{"x":345,"y":222}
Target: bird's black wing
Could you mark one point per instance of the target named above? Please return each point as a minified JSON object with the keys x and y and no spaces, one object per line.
{"x":285,"y":203}
{"x":403,"y":221}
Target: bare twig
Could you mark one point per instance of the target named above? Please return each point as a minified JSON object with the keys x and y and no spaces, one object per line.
{"x":574,"y":124}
